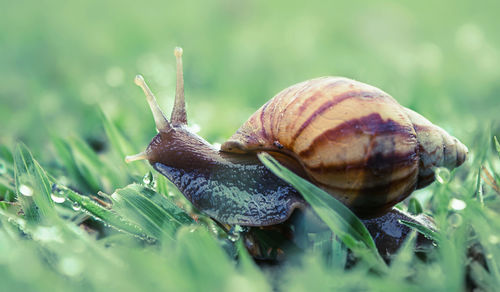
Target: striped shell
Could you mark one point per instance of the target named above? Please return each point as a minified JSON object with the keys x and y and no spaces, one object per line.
{"x":352,"y":140}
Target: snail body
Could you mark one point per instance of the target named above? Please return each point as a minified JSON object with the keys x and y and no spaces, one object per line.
{"x":232,"y":188}
{"x":349,"y":138}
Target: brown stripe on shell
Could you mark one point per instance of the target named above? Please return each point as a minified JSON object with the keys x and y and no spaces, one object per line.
{"x":378,"y":170}
{"x":306,"y":86}
{"x":370,"y":200}
{"x":318,"y":94}
{"x":376,"y":190}
{"x":365,"y":210}
{"x":299,"y":96}
{"x":379,"y":163}
{"x":372,"y":124}
{"x":274,"y":111}
{"x":328,"y":105}
{"x":249,"y":138}
{"x":262,"y":127}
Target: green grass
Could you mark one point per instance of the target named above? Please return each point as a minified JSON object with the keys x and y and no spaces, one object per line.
{"x":70,"y":113}
{"x":136,"y":238}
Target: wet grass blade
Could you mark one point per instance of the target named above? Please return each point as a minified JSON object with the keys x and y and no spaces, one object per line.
{"x":154,"y":213}
{"x":345,"y":225}
{"x":101,"y":213}
{"x":414,"y":207}
{"x":430,"y":234}
{"x":33,"y":188}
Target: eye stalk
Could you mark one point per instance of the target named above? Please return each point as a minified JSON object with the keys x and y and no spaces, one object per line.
{"x":162,"y":124}
{"x":179,"y":116}
{"x":139,"y":156}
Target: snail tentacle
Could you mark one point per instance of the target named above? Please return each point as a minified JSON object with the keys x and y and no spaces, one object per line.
{"x":179,"y":116}
{"x":162,"y":124}
{"x":139,"y":156}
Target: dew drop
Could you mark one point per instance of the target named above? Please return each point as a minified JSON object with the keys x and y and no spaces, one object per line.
{"x":457,"y":204}
{"x":443,"y":175}
{"x":148,"y":180}
{"x":455,"y":219}
{"x":57,"y":199}
{"x":48,"y":234}
{"x":70,"y":266}
{"x":76,"y":206}
{"x":57,"y":195}
{"x":25,"y":190}
{"x":233,"y":237}
{"x":234,"y":234}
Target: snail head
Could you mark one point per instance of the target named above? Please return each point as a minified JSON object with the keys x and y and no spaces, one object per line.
{"x":173,"y":132}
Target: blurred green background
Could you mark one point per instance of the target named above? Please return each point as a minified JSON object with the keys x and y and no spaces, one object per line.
{"x":62,"y":60}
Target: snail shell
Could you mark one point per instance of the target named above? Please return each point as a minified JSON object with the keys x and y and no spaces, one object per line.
{"x":352,"y":140}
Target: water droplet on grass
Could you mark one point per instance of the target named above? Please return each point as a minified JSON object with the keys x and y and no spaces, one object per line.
{"x":443,"y":175}
{"x":234,"y":233}
{"x":149,"y":180}
{"x":57,"y":199}
{"x":76,"y":206}
{"x":58,"y":195}
{"x":233,"y":237}
{"x":455,"y":219}
{"x":48,"y":234}
{"x":457,"y":204}
{"x":25,"y":190}
{"x":70,"y":266}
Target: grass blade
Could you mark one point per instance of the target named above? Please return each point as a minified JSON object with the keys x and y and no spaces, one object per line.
{"x":346,"y":226}
{"x":101,"y":213}
{"x":33,"y":188}
{"x":157,"y":216}
{"x":430,"y":234}
{"x":414,"y":207}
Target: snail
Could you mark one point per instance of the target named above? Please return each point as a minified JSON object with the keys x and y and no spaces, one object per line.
{"x":351,"y":139}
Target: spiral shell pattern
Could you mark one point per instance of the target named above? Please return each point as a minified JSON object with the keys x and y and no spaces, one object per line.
{"x":352,"y":139}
